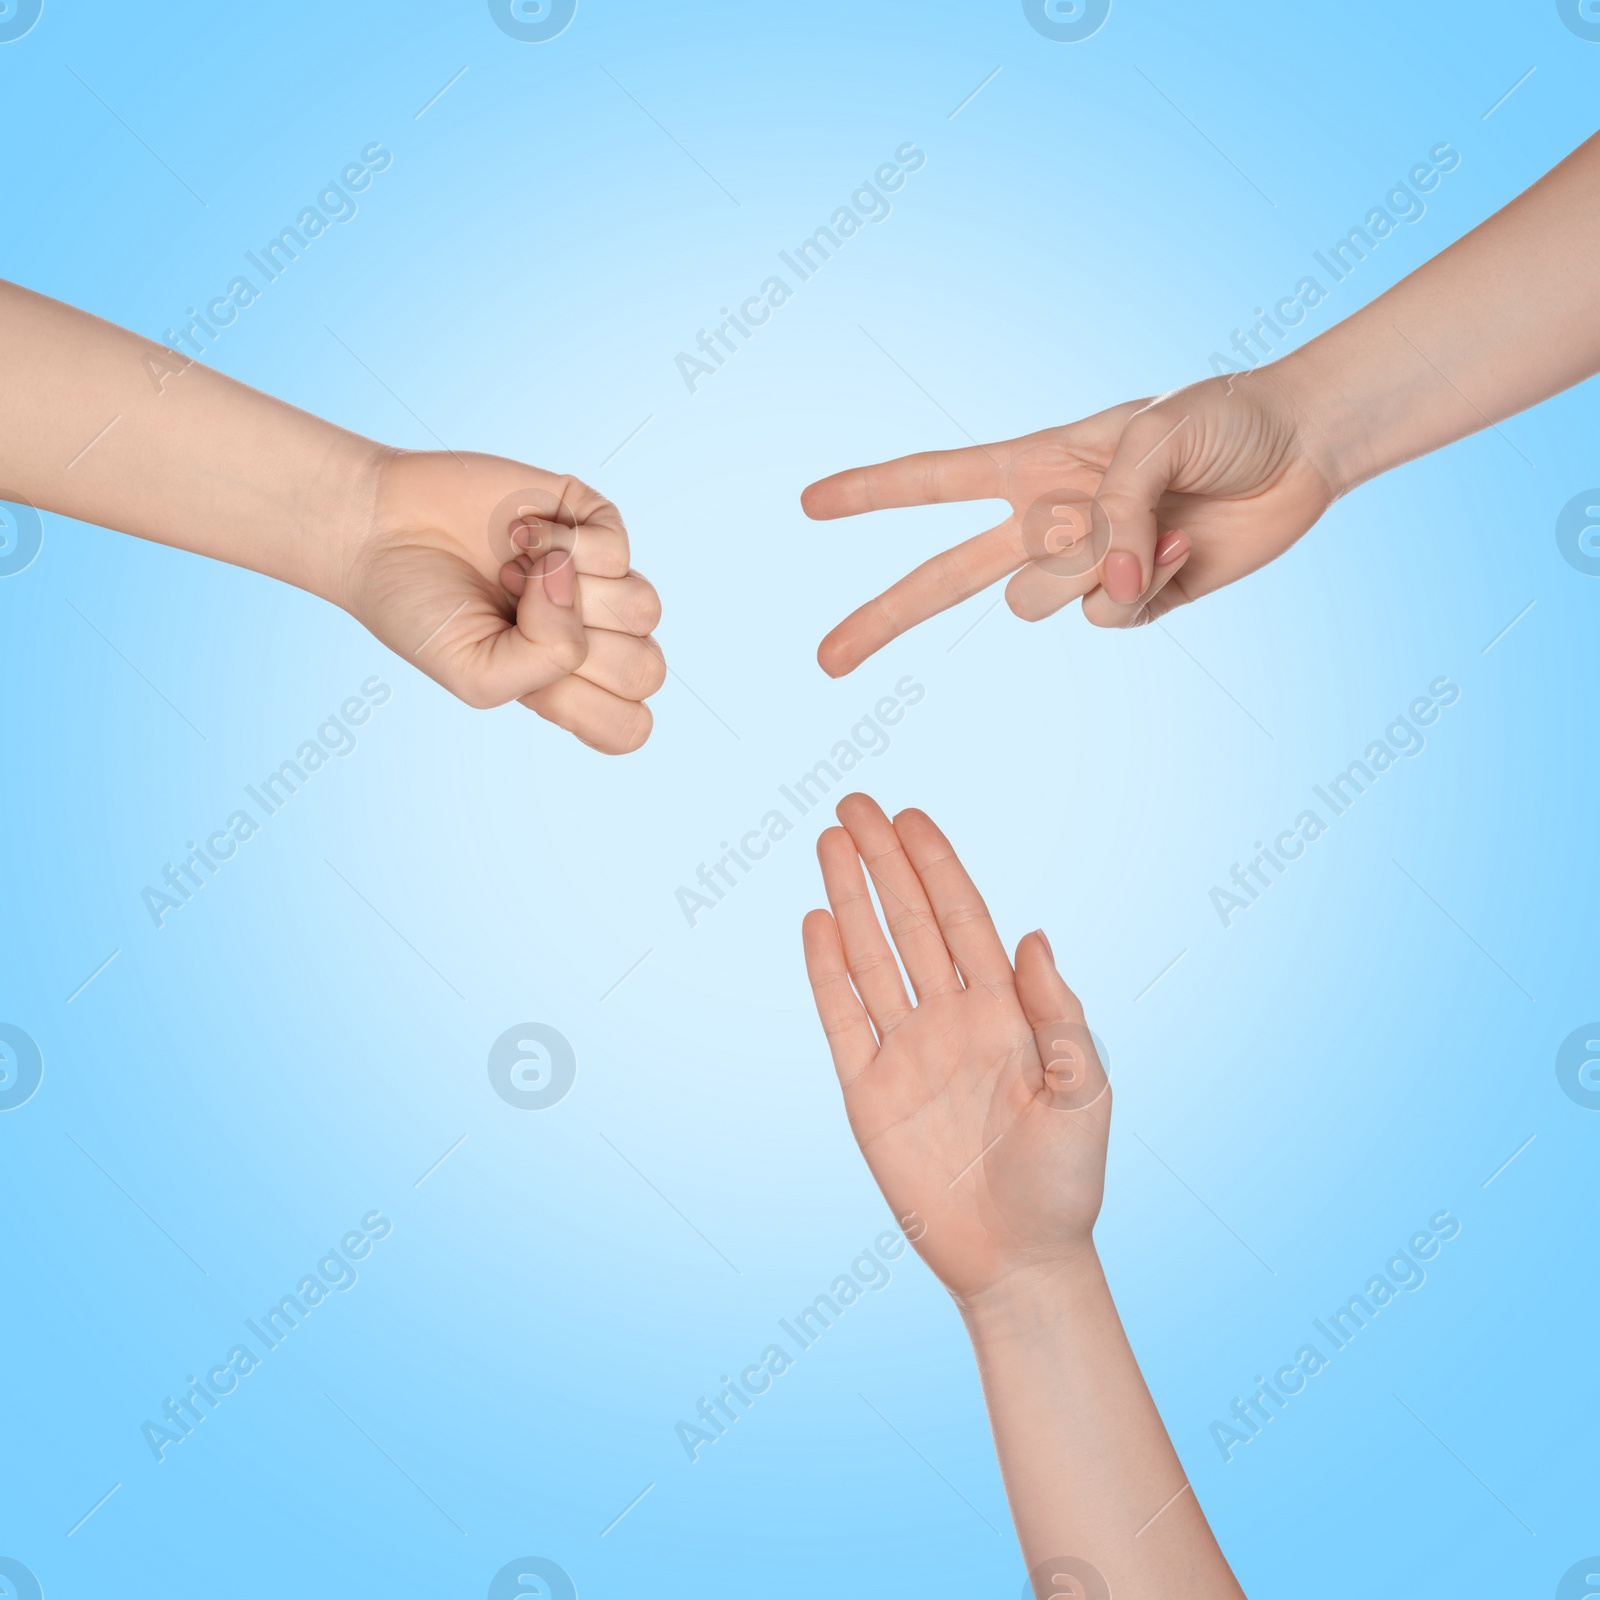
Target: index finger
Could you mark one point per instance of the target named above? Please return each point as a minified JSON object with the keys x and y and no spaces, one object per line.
{"x":927,"y":478}
{"x":586,"y":504}
{"x":600,"y":547}
{"x":939,"y":583}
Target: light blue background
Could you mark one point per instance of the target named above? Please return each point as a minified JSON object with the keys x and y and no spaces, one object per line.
{"x":1299,"y":1094}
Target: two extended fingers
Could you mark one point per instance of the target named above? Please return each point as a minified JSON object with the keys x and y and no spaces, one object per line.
{"x":1118,"y":590}
{"x":929,"y":477}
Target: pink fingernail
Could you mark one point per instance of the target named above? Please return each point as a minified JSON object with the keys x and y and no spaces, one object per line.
{"x":1044,"y":939}
{"x":528,"y":536}
{"x":561,"y":578}
{"x":1171,"y":547}
{"x":1123,"y":578}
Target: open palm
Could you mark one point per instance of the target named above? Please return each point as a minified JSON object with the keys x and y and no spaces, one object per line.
{"x":1137,"y":509}
{"x":982,"y":1110}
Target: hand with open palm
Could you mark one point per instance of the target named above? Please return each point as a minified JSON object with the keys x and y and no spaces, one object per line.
{"x":1137,"y":509}
{"x":983,"y":1109}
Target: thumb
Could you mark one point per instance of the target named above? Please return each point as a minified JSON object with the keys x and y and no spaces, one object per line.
{"x":1073,"y":1077}
{"x":1146,"y":461}
{"x":548,"y":641}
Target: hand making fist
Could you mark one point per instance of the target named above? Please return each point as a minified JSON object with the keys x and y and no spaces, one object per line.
{"x":505,"y":583}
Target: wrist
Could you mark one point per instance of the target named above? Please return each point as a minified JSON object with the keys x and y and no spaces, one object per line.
{"x":1335,"y":426}
{"x":338,"y":512}
{"x":1035,"y":1301}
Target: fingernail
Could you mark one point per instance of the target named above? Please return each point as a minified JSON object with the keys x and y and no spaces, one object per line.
{"x":1123,"y":579}
{"x":1044,"y":939}
{"x":1171,"y":547}
{"x":528,"y":536}
{"x":561,"y":578}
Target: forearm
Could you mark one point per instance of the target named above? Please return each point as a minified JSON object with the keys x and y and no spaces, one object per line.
{"x":1089,"y":1470}
{"x":100,"y":424}
{"x":1502,"y":319}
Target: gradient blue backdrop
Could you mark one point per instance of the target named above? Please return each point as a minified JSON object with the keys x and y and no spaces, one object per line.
{"x":300,"y":1045}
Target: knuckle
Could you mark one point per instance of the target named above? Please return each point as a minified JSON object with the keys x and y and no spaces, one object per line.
{"x":1021,"y":606}
{"x":477,"y":695}
{"x":569,"y":653}
{"x":1122,"y":505}
{"x":951,"y":576}
{"x":965,"y":915}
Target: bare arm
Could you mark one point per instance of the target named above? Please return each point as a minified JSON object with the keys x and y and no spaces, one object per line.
{"x":983,"y":1112}
{"x":1504,"y":318}
{"x":500,"y":580}
{"x":100,"y":424}
{"x":1154,"y":503}
{"x":1088,"y":1467}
